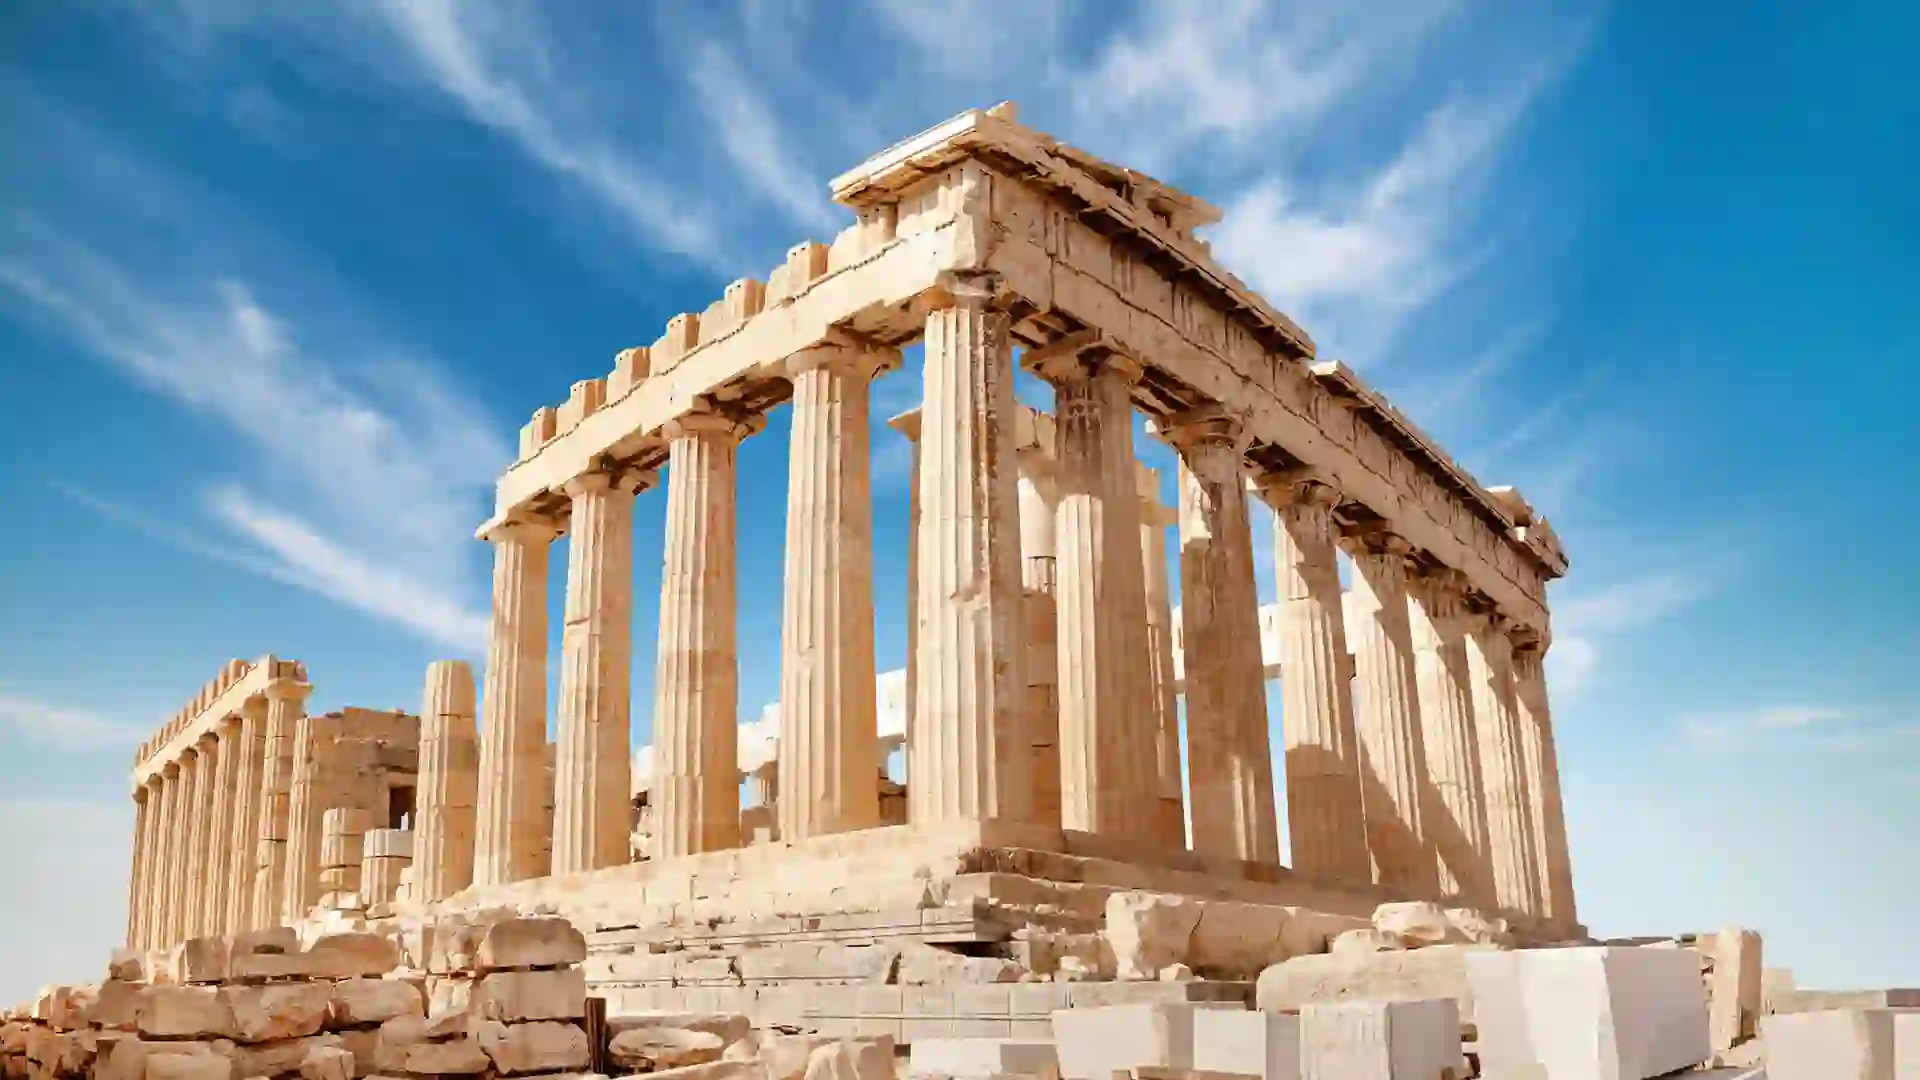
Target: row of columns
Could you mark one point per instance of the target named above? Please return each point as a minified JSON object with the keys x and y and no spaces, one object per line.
{"x":1426,"y":774}
{"x":211,"y":826}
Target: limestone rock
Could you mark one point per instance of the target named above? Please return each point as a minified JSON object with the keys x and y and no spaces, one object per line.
{"x":731,"y":1027}
{"x":352,"y":955}
{"x":1235,"y":940}
{"x":1149,"y":931}
{"x":127,"y":965}
{"x":542,"y":1046}
{"x":183,"y":1012}
{"x":114,"y":1006}
{"x":453,"y":1056}
{"x":515,"y":996}
{"x":651,"y":1048}
{"x":529,"y":943}
{"x":834,"y":1061}
{"x":277,"y":1010}
{"x":1481,"y":929}
{"x":449,"y":994}
{"x":714,"y":1070}
{"x":784,"y":1056}
{"x":1416,"y":923}
{"x":961,"y":1057}
{"x":1417,"y":975}
{"x":1308,"y":932}
{"x":188,"y":1067}
{"x":1176,"y":973}
{"x":280,"y":1056}
{"x":327,"y":1063}
{"x":926,"y":965}
{"x":1366,"y":940}
{"x":200,"y":960}
{"x":374,"y":1001}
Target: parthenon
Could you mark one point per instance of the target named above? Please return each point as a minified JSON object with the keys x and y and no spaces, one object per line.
{"x":1083,"y":714}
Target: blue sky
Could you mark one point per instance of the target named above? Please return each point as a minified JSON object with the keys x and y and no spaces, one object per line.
{"x":279,"y":283}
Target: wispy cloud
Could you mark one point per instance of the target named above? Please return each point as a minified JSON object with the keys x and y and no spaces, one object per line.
{"x":398,"y":473}
{"x":1584,"y":622}
{"x":1830,"y":728}
{"x":47,"y":725}
{"x":755,"y":141}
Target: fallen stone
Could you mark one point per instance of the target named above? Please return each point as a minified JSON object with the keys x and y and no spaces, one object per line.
{"x":1363,"y":941}
{"x":1149,"y":931}
{"x":277,"y":1010}
{"x":516,"y":996}
{"x":127,"y":965}
{"x":188,"y":1067}
{"x":714,"y":1070}
{"x":183,"y":1012}
{"x":452,"y":1056}
{"x":1251,"y":1043}
{"x":966,"y":1058}
{"x":833,"y":1061}
{"x":1481,"y":929}
{"x":1819,"y":1000}
{"x":200,"y":960}
{"x":280,"y":1056}
{"x":114,"y":1006}
{"x":926,"y":965}
{"x":1589,"y":1013}
{"x":784,"y":1056}
{"x":1854,"y":1044}
{"x":1236,"y":941}
{"x":1176,"y":973}
{"x":1095,"y":1043}
{"x":449,"y":994}
{"x":1381,"y":1040}
{"x":731,"y":1027}
{"x":529,"y":943}
{"x":1418,"y":923}
{"x":374,"y":1001}
{"x":542,"y":1046}
{"x":1733,"y":990}
{"x":651,"y":1048}
{"x":1417,"y":975}
{"x":352,"y":955}
{"x":327,"y":1063}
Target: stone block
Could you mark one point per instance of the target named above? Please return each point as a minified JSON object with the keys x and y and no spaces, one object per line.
{"x":714,"y":1070}
{"x":1842,"y":1044}
{"x":457,"y":1056}
{"x":1619,"y":1013}
{"x":731,"y":1027}
{"x":113,"y":1007}
{"x":449,"y":994}
{"x":1253,"y":1043}
{"x":541,"y":1046}
{"x":784,"y":1056}
{"x":927,"y":965}
{"x":352,"y":955}
{"x":1094,"y":1043}
{"x":1148,"y":931}
{"x":277,"y":1010}
{"x":842,"y":1060}
{"x":279,"y":1056}
{"x":1419,"y":923}
{"x":1381,"y":1040}
{"x":1237,"y":941}
{"x":646,"y":1049}
{"x":183,"y":1012}
{"x":964,"y":1058}
{"x":188,"y":1067}
{"x":1818,"y":1000}
{"x":1733,"y":990}
{"x":127,"y":965}
{"x":529,"y":943}
{"x":517,"y":996}
{"x":200,"y":960}
{"x":1417,"y":975}
{"x":374,"y":1001}
{"x":327,"y":1063}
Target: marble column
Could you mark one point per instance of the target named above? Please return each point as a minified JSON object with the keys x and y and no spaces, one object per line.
{"x":593,"y":780}
{"x":1393,"y":760}
{"x":1455,"y":811}
{"x":696,"y":778}
{"x":1230,"y":764}
{"x":305,"y":816}
{"x":513,"y":730}
{"x":1543,"y":778}
{"x":1325,"y":812}
{"x":449,"y":784}
{"x":196,"y":852}
{"x":829,"y":742}
{"x":220,"y":855}
{"x":1155,"y":517}
{"x":1503,"y":766}
{"x":1039,"y":575}
{"x":971,"y":751}
{"x":166,"y":869}
{"x":343,"y":830}
{"x":1108,"y":731}
{"x":143,"y":816}
{"x":286,"y":701}
{"x":385,"y":854}
{"x":908,"y":424}
{"x":249,"y":746}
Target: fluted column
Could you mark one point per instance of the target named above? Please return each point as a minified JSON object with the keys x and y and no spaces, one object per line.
{"x":249,"y":745}
{"x":908,"y":424}
{"x":593,"y":782}
{"x":1455,"y":812}
{"x":1108,"y":731}
{"x":1543,"y":779}
{"x":1503,"y":766}
{"x":197,"y":770}
{"x":971,"y":752}
{"x":449,"y":784}
{"x":1325,"y":813}
{"x":1230,"y":763}
{"x":143,"y":815}
{"x":1393,"y":765}
{"x":385,"y":854}
{"x":166,"y":868}
{"x":696,"y":778}
{"x":305,"y":816}
{"x":1155,"y":517}
{"x":220,"y":829}
{"x":513,"y":731}
{"x":1039,"y":574}
{"x":829,"y":746}
{"x":286,"y":702}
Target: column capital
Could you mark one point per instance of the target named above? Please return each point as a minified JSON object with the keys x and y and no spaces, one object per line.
{"x":254,"y":708}
{"x":627,"y":481}
{"x":1301,"y":486}
{"x":976,"y":289}
{"x":1081,"y":355}
{"x":1210,"y":426}
{"x":713,"y":423}
{"x":1527,"y":639}
{"x":908,"y":424}
{"x":1373,"y":538}
{"x":287,"y":690}
{"x":525,"y":528}
{"x":859,"y":359}
{"x":171,"y":770}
